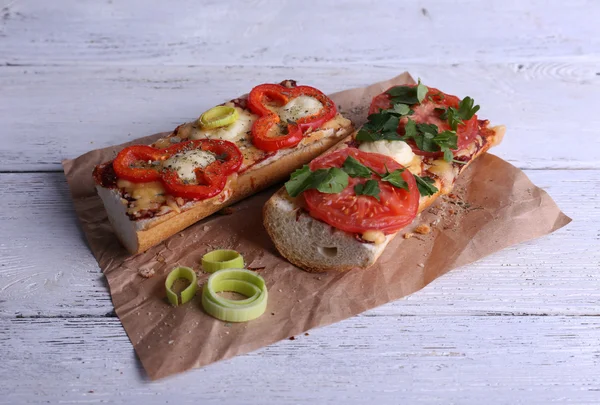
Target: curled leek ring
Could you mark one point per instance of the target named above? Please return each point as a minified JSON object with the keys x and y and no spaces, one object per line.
{"x":189,"y":292}
{"x":222,"y":259}
{"x":219,"y":116}
{"x":241,"y":281}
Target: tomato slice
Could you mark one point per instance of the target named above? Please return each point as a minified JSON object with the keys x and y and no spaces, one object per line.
{"x":357,"y":214}
{"x":426,"y":113}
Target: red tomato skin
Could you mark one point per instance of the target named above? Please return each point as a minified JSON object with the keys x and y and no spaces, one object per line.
{"x":357,"y":214}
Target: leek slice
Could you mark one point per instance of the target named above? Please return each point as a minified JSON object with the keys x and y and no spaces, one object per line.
{"x":222,"y":259}
{"x":241,"y":281}
{"x":187,"y":294}
{"x":219,"y":116}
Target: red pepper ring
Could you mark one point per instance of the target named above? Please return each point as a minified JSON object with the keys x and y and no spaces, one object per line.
{"x":229,"y":157}
{"x":125,"y":163}
{"x":268,"y":118}
{"x":211,"y":179}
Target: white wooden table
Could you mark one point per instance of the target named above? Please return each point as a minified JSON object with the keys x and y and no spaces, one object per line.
{"x":521,"y":326}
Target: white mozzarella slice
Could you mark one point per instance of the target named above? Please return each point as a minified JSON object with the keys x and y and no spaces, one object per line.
{"x":299,"y":107}
{"x":186,"y":162}
{"x":400,"y":151}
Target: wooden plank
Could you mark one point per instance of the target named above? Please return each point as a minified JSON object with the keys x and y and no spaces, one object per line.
{"x":395,"y":359}
{"x":293,"y":33}
{"x":51,"y":113}
{"x":47,"y":270}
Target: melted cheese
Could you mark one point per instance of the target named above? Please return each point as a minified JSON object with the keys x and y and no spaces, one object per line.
{"x":299,"y":107}
{"x":146,"y":196}
{"x":445,"y":172}
{"x":232,"y":132}
{"x":185,"y":163}
{"x":400,"y":151}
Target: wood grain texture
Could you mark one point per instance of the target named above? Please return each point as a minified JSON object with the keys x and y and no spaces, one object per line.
{"x":387,"y":359}
{"x":48,"y":270}
{"x":521,"y":326}
{"x":62,"y":112}
{"x":294,"y":33}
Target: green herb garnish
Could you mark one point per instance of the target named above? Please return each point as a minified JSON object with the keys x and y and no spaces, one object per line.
{"x":355,"y":169}
{"x":395,"y":178}
{"x":465,"y":112}
{"x":370,"y":188}
{"x":425,"y":185}
{"x":330,"y":181}
{"x":428,"y":139}
{"x":408,"y":95}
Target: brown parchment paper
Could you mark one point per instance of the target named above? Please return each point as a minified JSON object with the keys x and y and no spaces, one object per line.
{"x":494,"y":206}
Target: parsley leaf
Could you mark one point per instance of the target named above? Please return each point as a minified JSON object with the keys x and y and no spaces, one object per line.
{"x":401,"y":109}
{"x":421,"y":91}
{"x":299,"y":181}
{"x":466,"y":110}
{"x":370,"y":188}
{"x":425,"y":185}
{"x":395,"y":179}
{"x":355,"y":169}
{"x":332,"y":180}
{"x":408,"y":95}
{"x":380,"y":126}
{"x":428,"y":139}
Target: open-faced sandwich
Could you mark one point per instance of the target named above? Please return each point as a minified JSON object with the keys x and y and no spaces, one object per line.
{"x":340,"y":211}
{"x":151,"y":192}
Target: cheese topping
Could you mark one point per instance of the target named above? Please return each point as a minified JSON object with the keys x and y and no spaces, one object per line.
{"x":185,"y":163}
{"x":146,"y":196}
{"x":400,"y":151}
{"x":231,"y":132}
{"x":445,"y":172}
{"x":299,"y":107}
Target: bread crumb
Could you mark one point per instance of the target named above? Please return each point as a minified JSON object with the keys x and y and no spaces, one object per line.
{"x":423,"y":229}
{"x":306,"y":334}
{"x":421,"y":265}
{"x":408,"y":235}
{"x":292,"y":338}
{"x":171,"y":342}
{"x":181,"y":234}
{"x":206,"y":228}
{"x":146,"y":273}
{"x":160,"y":259}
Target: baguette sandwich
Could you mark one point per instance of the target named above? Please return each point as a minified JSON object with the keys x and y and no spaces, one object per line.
{"x":232,"y":151}
{"x":342,"y":210}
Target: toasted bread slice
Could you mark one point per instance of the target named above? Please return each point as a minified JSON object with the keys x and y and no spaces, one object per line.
{"x":138,"y":235}
{"x":316,"y":246}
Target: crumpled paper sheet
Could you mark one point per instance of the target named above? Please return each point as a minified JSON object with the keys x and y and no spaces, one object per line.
{"x":494,"y":206}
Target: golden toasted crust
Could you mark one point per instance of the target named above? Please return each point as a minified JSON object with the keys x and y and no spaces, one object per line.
{"x":274,"y":221}
{"x":249,"y":182}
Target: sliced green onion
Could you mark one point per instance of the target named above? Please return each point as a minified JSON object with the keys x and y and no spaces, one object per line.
{"x":222,"y":259}
{"x":219,"y":116}
{"x":241,"y":281}
{"x":189,"y":292}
